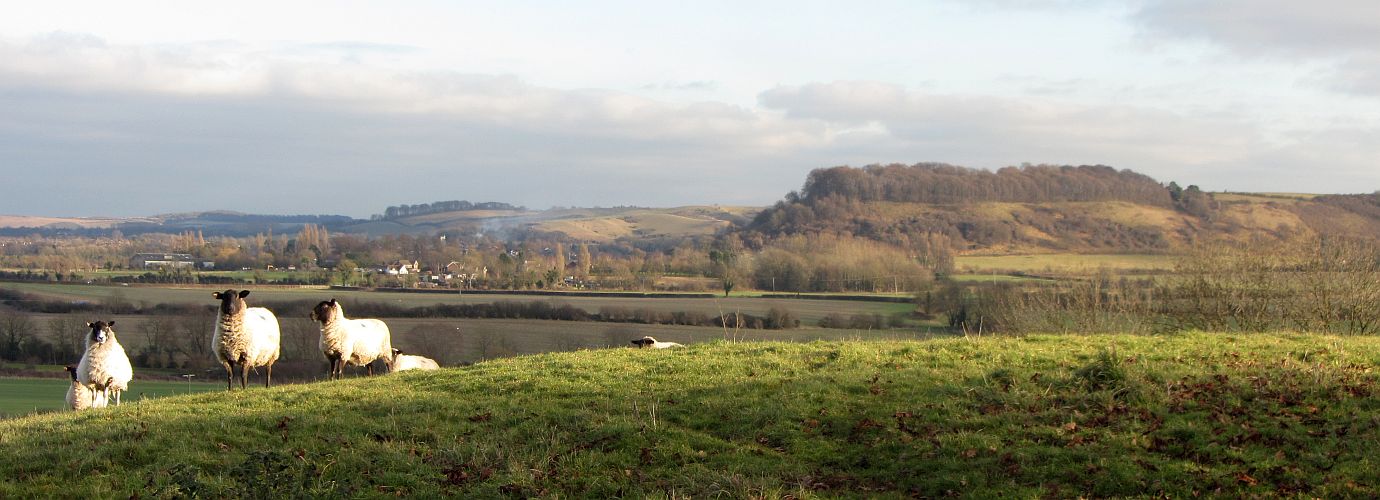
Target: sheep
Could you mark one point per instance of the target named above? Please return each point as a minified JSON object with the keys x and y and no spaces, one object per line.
{"x":79,"y":396}
{"x":247,"y":336}
{"x":646,"y":342}
{"x":104,"y":368}
{"x":351,"y":341}
{"x":403,"y":362}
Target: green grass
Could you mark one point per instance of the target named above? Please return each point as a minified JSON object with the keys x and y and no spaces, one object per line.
{"x":21,"y":396}
{"x":809,"y":311}
{"x":1059,"y":416}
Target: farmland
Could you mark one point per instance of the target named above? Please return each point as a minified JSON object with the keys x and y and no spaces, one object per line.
{"x":21,"y":396}
{"x":809,"y":311}
{"x":1064,"y":263}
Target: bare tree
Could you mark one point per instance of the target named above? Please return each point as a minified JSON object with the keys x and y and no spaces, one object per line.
{"x":15,"y":330}
{"x":69,"y":334}
{"x":195,"y":334}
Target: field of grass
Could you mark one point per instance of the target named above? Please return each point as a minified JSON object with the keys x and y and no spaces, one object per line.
{"x":1063,"y":263}
{"x":809,"y":311}
{"x":1052,"y":416}
{"x":22,"y":396}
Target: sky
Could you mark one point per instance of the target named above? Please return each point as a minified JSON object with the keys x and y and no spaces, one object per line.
{"x":345,"y":107}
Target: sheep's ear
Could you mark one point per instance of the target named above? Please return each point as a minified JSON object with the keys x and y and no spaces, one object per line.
{"x":397,"y":351}
{"x":90,"y":324}
{"x":244,"y":293}
{"x":333,"y":302}
{"x":215,"y":294}
{"x":110,"y":323}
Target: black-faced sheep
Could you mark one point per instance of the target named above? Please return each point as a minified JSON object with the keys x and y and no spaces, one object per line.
{"x":104,"y":367}
{"x":245,"y":336}
{"x":78,"y":395}
{"x":403,"y":362}
{"x":351,"y":341}
{"x":648,"y":342}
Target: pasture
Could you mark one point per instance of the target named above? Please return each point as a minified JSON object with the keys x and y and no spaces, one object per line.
{"x":1174,"y":416}
{"x":809,"y":311}
{"x":1064,"y":263}
{"x":22,"y":396}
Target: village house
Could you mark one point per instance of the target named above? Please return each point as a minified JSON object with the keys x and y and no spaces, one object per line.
{"x":167,"y":261}
{"x":402,"y":267}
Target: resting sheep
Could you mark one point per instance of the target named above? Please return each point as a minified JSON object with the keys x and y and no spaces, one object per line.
{"x":646,"y":342}
{"x":351,"y":341}
{"x":402,"y":362}
{"x":247,"y":336}
{"x":104,"y":367}
{"x":78,"y":395}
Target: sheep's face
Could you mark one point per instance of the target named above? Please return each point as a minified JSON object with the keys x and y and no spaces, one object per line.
{"x":231,"y":302}
{"x":325,"y":310}
{"x":71,"y":370}
{"x":100,"y":332}
{"x":644,"y":342}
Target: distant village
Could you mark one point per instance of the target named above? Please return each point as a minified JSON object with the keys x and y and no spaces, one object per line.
{"x":410,"y":273}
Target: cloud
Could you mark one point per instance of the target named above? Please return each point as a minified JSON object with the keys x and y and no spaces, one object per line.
{"x":223,"y":117}
{"x":96,"y":128}
{"x":1345,"y":33}
{"x":1221,"y":150}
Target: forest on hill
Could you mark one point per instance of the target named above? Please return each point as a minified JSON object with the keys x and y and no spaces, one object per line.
{"x":1042,"y":208}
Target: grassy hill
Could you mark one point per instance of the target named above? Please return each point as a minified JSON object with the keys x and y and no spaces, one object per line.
{"x":1037,"y":416}
{"x":590,"y":224}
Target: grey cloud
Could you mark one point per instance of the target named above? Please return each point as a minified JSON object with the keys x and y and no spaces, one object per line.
{"x":1220,"y":149}
{"x":1345,"y":33}
{"x":1289,"y":27}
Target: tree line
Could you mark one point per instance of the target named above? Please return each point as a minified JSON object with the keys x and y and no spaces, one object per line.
{"x":395,"y":212}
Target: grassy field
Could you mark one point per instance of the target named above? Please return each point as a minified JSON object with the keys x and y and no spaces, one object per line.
{"x":809,"y":311}
{"x":22,"y":396}
{"x":1063,"y":263}
{"x":1040,"y":416}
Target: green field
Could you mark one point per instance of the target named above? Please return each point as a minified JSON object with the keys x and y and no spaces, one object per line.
{"x":809,"y":311}
{"x":22,"y":396}
{"x":1041,"y":416}
{"x":1063,"y":263}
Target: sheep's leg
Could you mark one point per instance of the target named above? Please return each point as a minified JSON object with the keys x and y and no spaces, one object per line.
{"x":229,"y":375}
{"x":117,"y":397}
{"x":244,"y":375}
{"x":268,"y":375}
{"x":369,"y":368}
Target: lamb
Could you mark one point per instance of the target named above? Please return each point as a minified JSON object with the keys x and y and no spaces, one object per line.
{"x":79,"y":396}
{"x":351,"y":341}
{"x":646,"y":342}
{"x":403,"y":362}
{"x":247,"y":336}
{"x":104,"y":367}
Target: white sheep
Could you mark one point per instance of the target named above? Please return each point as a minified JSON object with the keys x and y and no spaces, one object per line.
{"x":402,"y":362}
{"x":646,"y":342}
{"x":104,"y":367}
{"x":79,"y":396}
{"x":351,"y":341}
{"x":247,"y":336}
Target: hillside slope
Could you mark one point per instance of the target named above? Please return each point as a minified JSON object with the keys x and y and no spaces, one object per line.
{"x":1056,"y":416}
{"x":600,"y":225}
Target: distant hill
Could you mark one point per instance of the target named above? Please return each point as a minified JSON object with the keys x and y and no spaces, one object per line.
{"x":1037,"y":209}
{"x":211,"y":223}
{"x":589,"y":224}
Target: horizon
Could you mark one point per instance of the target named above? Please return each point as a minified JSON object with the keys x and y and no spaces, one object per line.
{"x":129,"y":110}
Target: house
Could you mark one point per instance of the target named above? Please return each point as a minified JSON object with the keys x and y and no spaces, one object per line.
{"x":402,"y":267}
{"x":167,"y":260}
